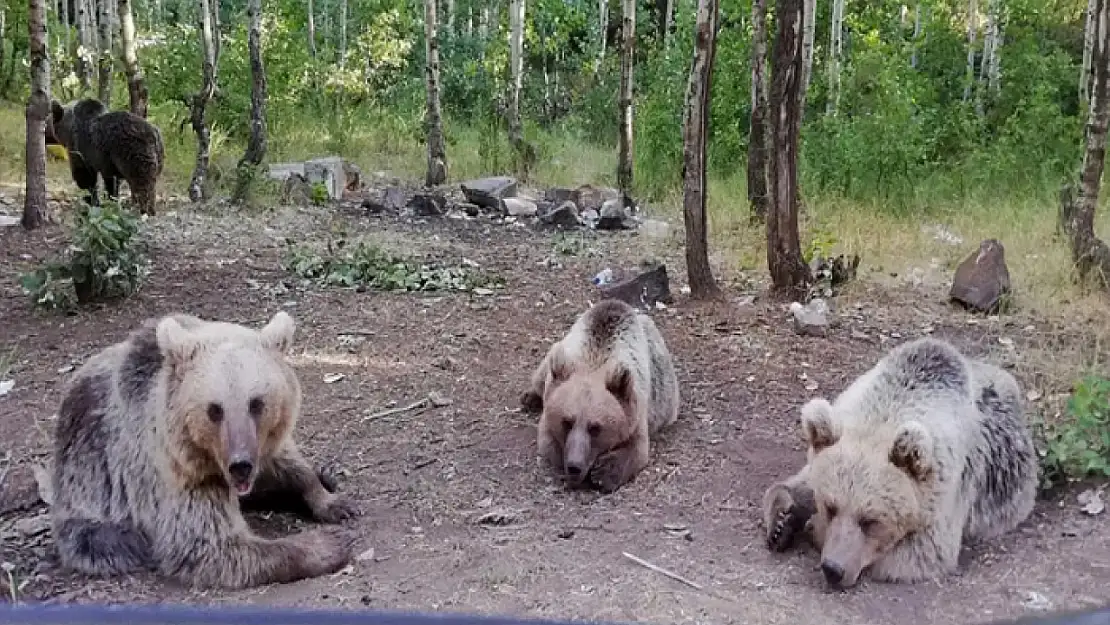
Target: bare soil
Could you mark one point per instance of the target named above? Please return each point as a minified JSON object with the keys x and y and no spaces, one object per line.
{"x":425,"y":479}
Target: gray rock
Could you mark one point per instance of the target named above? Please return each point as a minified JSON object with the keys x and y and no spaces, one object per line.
{"x":558,"y":195}
{"x":589,"y":197}
{"x":813,"y":319}
{"x":471,"y":210}
{"x":392,"y":200}
{"x":614,"y":216}
{"x":655,"y":229}
{"x":489,"y":192}
{"x":982,"y":281}
{"x":519,"y":207}
{"x":565,"y":216}
{"x":295,"y":190}
{"x":643,"y":290}
{"x":427,"y":205}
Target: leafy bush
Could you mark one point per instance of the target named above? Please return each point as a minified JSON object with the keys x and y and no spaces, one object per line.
{"x":369,"y":266}
{"x":106,"y":261}
{"x":1077,"y":445}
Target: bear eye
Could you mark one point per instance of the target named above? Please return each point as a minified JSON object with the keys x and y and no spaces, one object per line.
{"x":568,"y":423}
{"x":831,"y":509}
{"x":867,"y":523}
{"x":215,"y":413}
{"x":256,"y":405}
{"x":594,"y":429}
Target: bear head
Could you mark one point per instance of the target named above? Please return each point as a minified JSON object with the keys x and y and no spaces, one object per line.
{"x":232,"y":399}
{"x":587,"y":413}
{"x":61,"y":124}
{"x":870,"y":492}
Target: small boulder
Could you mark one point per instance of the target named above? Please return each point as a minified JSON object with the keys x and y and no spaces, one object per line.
{"x":489,"y":192}
{"x":812,"y":319}
{"x":644,"y":290}
{"x":427,"y":205}
{"x":565,"y":216}
{"x":589,"y":197}
{"x":392,"y":200}
{"x":19,"y":490}
{"x":614,"y":216}
{"x":519,"y":207}
{"x":982,"y":281}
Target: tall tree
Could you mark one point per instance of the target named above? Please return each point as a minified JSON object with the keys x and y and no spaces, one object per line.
{"x":809,"y":29}
{"x":789,"y":274}
{"x":972,"y":30}
{"x":85,"y":47}
{"x":516,"y":70}
{"x":38,"y":109}
{"x":198,"y":103}
{"x":437,"y":151}
{"x":836,"y":53}
{"x":603,"y":32}
{"x":311,"y":30}
{"x":1085,"y":75}
{"x":256,"y":145}
{"x":136,"y":87}
{"x":104,"y":58}
{"x":342,"y":32}
{"x":759,"y":132}
{"x":625,"y":154}
{"x":695,"y":132}
{"x":1077,"y":214}
{"x":917,"y":27}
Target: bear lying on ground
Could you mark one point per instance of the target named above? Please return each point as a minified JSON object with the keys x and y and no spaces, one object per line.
{"x":159,"y":437}
{"x":922,"y":452}
{"x":604,"y":390}
{"x":113,"y":145}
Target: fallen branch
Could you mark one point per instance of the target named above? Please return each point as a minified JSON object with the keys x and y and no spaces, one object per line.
{"x":423,"y":403}
{"x":659,"y":569}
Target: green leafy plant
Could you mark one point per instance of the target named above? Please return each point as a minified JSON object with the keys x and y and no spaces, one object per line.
{"x":366,"y":265}
{"x":1077,"y":444}
{"x":106,"y":261}
{"x":319,"y":194}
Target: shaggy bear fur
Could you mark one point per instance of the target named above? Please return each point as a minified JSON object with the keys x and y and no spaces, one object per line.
{"x":113,"y":145}
{"x":160,"y":435}
{"x":604,"y":390}
{"x":924,"y":451}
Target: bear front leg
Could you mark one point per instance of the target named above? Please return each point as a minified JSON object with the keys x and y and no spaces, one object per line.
{"x":289,"y":476}
{"x":787,"y":509}
{"x":617,"y":466}
{"x":111,"y":187}
{"x":247,"y":560}
{"x":85,"y":177}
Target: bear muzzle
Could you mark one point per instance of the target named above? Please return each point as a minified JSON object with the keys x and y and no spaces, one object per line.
{"x":241,"y":472}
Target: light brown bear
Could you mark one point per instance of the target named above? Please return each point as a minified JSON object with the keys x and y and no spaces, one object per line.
{"x":159,"y":437}
{"x":604,"y":391}
{"x":920,"y":453}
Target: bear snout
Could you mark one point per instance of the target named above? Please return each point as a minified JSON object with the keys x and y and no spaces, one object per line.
{"x":576,"y":470}
{"x":834,"y":572}
{"x":241,"y":471}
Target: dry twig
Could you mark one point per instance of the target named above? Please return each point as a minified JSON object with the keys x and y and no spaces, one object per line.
{"x":661,"y":570}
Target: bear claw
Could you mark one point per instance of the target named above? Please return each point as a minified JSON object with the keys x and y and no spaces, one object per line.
{"x":339,"y":509}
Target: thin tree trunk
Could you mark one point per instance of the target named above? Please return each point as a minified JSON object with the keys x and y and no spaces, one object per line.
{"x":256,"y":145}
{"x":38,"y":109}
{"x":65,"y":27}
{"x":625,"y":154}
{"x":916,"y":33}
{"x":836,"y":53}
{"x":516,"y":69}
{"x":972,"y":29}
{"x":695,"y":134}
{"x":1077,"y":215}
{"x":789,"y":274}
{"x":311,"y":30}
{"x":136,"y":88}
{"x":437,"y":151}
{"x":668,"y":21}
{"x":450,"y":17}
{"x":994,"y":59}
{"x":1085,"y":74}
{"x":808,"y":31}
{"x":603,"y":30}
{"x":85,"y":46}
{"x":758,"y":134}
{"x":342,"y":33}
{"x":3,"y":49}
{"x":199,"y":104}
{"x":104,"y":59}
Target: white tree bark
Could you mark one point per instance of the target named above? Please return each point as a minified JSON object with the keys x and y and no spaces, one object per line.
{"x":516,"y":69}
{"x":311,"y":29}
{"x":38,"y":109}
{"x":104,"y":52}
{"x":437,"y":153}
{"x":993,"y":58}
{"x":342,"y":33}
{"x":1085,"y":73}
{"x":668,"y":22}
{"x":136,"y":86}
{"x":450,"y":16}
{"x":625,"y":154}
{"x":972,"y":30}
{"x":836,"y":51}
{"x":209,"y":39}
{"x":809,"y":29}
{"x":603,"y":30}
{"x":85,"y":47}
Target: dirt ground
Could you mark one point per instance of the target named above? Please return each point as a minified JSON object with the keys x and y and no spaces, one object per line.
{"x":426,"y":479}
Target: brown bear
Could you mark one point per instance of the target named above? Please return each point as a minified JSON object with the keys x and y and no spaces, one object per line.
{"x":113,"y":145}
{"x":926,"y":450}
{"x":158,"y":438}
{"x":604,"y":390}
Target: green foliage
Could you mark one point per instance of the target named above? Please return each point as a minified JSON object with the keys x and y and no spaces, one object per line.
{"x":1077,"y":445}
{"x":319,"y":194}
{"x":366,"y":265}
{"x":106,"y":261}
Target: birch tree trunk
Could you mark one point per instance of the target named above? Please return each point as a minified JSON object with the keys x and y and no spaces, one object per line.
{"x":342,"y":33}
{"x":695,"y":133}
{"x":994,"y":59}
{"x":85,"y":45}
{"x":256,"y":145}
{"x":789,"y":274}
{"x":516,"y":70}
{"x":104,"y":58}
{"x":450,"y":17}
{"x":38,"y":109}
{"x":1077,"y":214}
{"x":668,"y":21}
{"x":758,"y":134}
{"x":437,"y":151}
{"x":1085,"y":74}
{"x":836,"y":54}
{"x":65,"y":27}
{"x":624,"y":153}
{"x":916,"y":33}
{"x":809,"y":28}
{"x":603,"y":32}
{"x":199,"y":102}
{"x":136,"y":87}
{"x":311,"y":30}
{"x":972,"y":29}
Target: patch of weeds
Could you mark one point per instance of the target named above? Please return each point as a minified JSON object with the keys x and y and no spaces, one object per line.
{"x":319,"y":194}
{"x":370,"y":266}
{"x":568,"y":244}
{"x":106,"y":261}
{"x":820,"y":245}
{"x":1077,"y":443}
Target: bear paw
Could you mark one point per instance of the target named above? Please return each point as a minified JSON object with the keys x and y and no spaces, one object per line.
{"x":327,"y":473}
{"x":787,"y":514}
{"x":331,"y":547}
{"x":608,"y":473}
{"x":531,"y":402}
{"x":338,"y":509}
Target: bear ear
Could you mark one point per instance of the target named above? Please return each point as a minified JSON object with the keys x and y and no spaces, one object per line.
{"x":559,"y":366}
{"x":177,"y":343}
{"x":57,"y":111}
{"x":912,"y":451}
{"x":619,"y":383}
{"x":278,"y":333}
{"x":818,"y":428}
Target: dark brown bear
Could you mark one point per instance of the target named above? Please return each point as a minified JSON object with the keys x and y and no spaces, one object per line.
{"x":111,"y":145}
